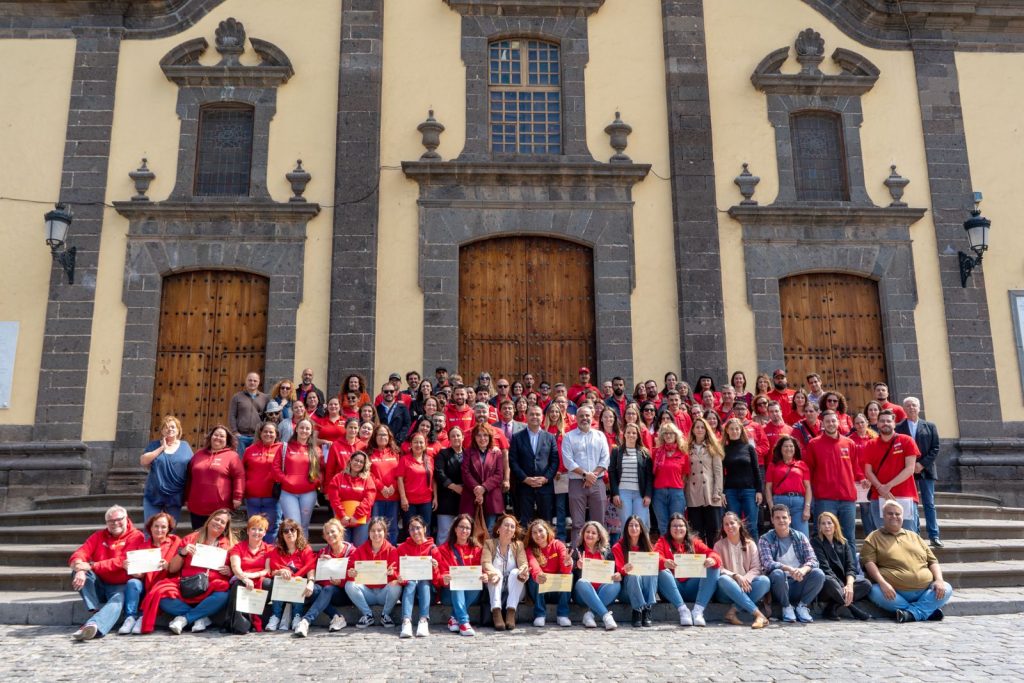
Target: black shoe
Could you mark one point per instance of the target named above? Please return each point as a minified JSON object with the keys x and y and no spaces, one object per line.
{"x":645,"y":617}
{"x":858,"y":613}
{"x":937,"y":615}
{"x":637,"y":619}
{"x":831,"y":612}
{"x":936,"y":543}
{"x":903,"y":616}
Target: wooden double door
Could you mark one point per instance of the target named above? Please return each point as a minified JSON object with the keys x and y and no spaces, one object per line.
{"x":213,"y":332}
{"x":526,"y":304}
{"x":832,"y":325}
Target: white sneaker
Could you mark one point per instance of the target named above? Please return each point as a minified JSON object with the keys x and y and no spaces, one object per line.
{"x":302,"y":628}
{"x":564,"y":621}
{"x":453,"y":625}
{"x":178,"y":625}
{"x":272,"y":624}
{"x":87,"y":632}
{"x":337,"y":623}
{"x":466,"y":630}
{"x":286,"y":618}
{"x":539,"y":621}
{"x":685,"y":619}
{"x":406,"y":631}
{"x":789,"y":614}
{"x":127,"y":626}
{"x":588,"y":620}
{"x":137,"y":629}
{"x":609,"y":621}
{"x":423,"y":629}
{"x":296,"y":622}
{"x":698,"y":616}
{"x":803,"y":614}
{"x":201,"y":625}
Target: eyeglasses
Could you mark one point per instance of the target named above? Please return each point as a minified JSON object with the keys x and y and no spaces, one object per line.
{"x":116,"y":520}
{"x":503,"y":386}
{"x":832,"y":400}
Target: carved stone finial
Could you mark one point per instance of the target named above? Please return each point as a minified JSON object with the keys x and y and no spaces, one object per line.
{"x":142,"y":177}
{"x":230,"y":41}
{"x":747,"y":181}
{"x":810,"y":50}
{"x":431,"y":130}
{"x":299,"y":178}
{"x":618,"y":130}
{"x":896,"y":183}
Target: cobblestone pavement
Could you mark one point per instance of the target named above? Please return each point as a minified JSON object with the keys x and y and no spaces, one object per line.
{"x":957,"y":649}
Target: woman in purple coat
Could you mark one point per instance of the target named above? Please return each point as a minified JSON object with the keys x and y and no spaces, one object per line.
{"x":483,"y":470}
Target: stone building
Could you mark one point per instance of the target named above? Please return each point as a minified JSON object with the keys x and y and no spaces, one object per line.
{"x":640,"y":185}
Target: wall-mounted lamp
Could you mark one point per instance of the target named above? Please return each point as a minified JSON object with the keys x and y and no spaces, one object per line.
{"x":977,"y":235}
{"x":56,"y":226}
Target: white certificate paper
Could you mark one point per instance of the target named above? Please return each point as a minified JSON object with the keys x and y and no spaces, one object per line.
{"x":644,"y":564}
{"x":465,"y":578}
{"x":328,"y":568}
{"x":416,"y":568}
{"x":556,"y":583}
{"x":143,"y":561}
{"x":371,"y":572}
{"x":597,"y":571}
{"x":690,"y":566}
{"x":289,"y":590}
{"x":209,"y":556}
{"x":862,"y":495}
{"x":250,"y":601}
{"x":562,"y":483}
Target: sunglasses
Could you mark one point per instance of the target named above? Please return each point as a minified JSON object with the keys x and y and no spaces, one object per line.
{"x":286,"y":388}
{"x":389,"y":391}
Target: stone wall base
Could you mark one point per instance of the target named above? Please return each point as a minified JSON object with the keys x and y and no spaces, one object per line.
{"x":33,"y":469}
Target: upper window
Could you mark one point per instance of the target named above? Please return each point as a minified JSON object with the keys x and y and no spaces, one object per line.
{"x":224,"y":155}
{"x":819,"y":158}
{"x":525,"y":97}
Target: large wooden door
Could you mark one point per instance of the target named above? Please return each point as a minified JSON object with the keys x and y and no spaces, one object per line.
{"x":832,"y":325}
{"x":213,"y":331}
{"x":526,"y":304}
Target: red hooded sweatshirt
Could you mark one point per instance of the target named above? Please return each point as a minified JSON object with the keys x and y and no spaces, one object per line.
{"x":106,"y":553}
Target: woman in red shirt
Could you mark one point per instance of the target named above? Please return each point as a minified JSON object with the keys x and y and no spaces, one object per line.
{"x":714,"y":421}
{"x":329,"y":593}
{"x":641,"y":590}
{"x":671,"y":465}
{"x":836,"y":402}
{"x":331,"y":426}
{"x":546,"y":555}
{"x":249,"y":560}
{"x":215,"y":477}
{"x":376,"y":549}
{"x":342,"y":450}
{"x":461,"y":550}
{"x":678,"y":591}
{"x":290,"y":558}
{"x":609,"y":425}
{"x":299,"y":475}
{"x":860,"y":436}
{"x":385,"y":457}
{"x":258,"y":462}
{"x":761,"y":411}
{"x":356,"y":384}
{"x":313,"y":406}
{"x":425,"y":426}
{"x":367,"y":413}
{"x":158,"y":535}
{"x":415,"y":478}
{"x":521,"y":406}
{"x":788,"y":482}
{"x":796,"y":405}
{"x":417,"y":545}
{"x":598,"y":597}
{"x":351,"y":494}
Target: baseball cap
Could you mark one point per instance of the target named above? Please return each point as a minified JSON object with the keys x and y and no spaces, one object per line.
{"x":779,"y":371}
{"x":584,"y":369}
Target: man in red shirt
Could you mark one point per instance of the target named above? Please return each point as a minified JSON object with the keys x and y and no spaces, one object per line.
{"x":830,"y":458}
{"x":809,"y":427}
{"x":674,"y":407}
{"x":755,"y":432}
{"x":483,"y":395}
{"x":776,"y":427}
{"x":724,"y":409}
{"x":652,"y":393}
{"x":457,"y":413}
{"x":581,"y":387}
{"x":889,"y":462}
{"x":783,"y":395}
{"x":882,"y":396}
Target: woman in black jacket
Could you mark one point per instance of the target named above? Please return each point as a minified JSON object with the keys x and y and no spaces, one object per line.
{"x":742,"y":479}
{"x":448,"y":479}
{"x":835,"y":557}
{"x":631,"y":475}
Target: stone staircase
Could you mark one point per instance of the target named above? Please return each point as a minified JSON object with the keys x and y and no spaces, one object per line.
{"x":983,"y":558}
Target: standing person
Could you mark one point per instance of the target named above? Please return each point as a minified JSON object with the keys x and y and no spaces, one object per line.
{"x":215,"y":477}
{"x":861,"y":435}
{"x":776,"y":427}
{"x":581,"y":387}
{"x":833,"y":400}
{"x":831,"y":459}
{"x":283,"y":393}
{"x":597,"y":597}
{"x":760,"y":411}
{"x":809,"y":427}
{"x":483,"y":470}
{"x":342,"y":449}
{"x":417,"y":545}
{"x":167,"y":461}
{"x":740,"y":582}
{"x":738,"y":381}
{"x":889,"y":464}
{"x":842,"y":587}
{"x":351,"y":494}
{"x":926,"y":435}
{"x":546,"y":555}
{"x":783,"y":394}
{"x":458,"y":413}
{"x":634,"y":416}
{"x":619,"y":398}
{"x":673,"y":405}
{"x":586,"y":456}
{"x":99,"y":575}
{"x":258,"y":463}
{"x":306,"y":387}
{"x":678,"y":591}
{"x":394,"y":414}
{"x":448,"y":479}
{"x":503,"y":560}
{"x":384,"y":460}
{"x":882,"y":396}
{"x":533,"y":458}
{"x":704,"y":484}
{"x":285,"y":428}
{"x":464,"y":551}
{"x":631,"y":475}
{"x":331,"y":593}
{"x":742,"y":479}
{"x":299,"y":474}
{"x":376,"y":548}
{"x":245,"y":412}
{"x":649,"y":419}
{"x":762,"y":385}
{"x":815,"y":392}
{"x":415,"y":477}
{"x":788,"y":481}
{"x":755,"y":432}
{"x":871,"y":411}
{"x":424,"y":390}
{"x":671,"y":465}
{"x":315,"y":407}
{"x":788,"y":560}
{"x":641,"y":590}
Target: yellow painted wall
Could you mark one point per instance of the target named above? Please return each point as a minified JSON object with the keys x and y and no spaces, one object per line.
{"x":740,"y":34}
{"x":992,"y":94}
{"x":36,"y":87}
{"x":145,"y":124}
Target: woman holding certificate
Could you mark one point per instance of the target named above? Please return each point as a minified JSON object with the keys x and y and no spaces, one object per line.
{"x":550,"y":566}
{"x":689,"y":571}
{"x":504,"y":562}
{"x":415,"y":478}
{"x":249,"y":560}
{"x":373,"y":575}
{"x":298,"y":472}
{"x":329,"y":591}
{"x":258,"y":462}
{"x":351,"y":493}
{"x":416,"y":570}
{"x":460,"y":574}
{"x":158,"y":542}
{"x":740,"y":582}
{"x":291,"y":560}
{"x":638,"y":563}
{"x":597,"y":582}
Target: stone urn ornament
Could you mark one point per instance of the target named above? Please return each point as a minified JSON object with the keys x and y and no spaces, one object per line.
{"x":618,"y":131}
{"x":431,"y":130}
{"x":142,"y":177}
{"x":896,"y":184}
{"x":747,"y":181}
{"x":299,"y":178}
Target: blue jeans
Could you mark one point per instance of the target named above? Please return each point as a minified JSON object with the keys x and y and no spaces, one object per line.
{"x":846,"y":512}
{"x":866,"y":518}
{"x":640,"y":590}
{"x":460,"y":602}
{"x":298,"y":507}
{"x":786,"y":590}
{"x":744,"y":503}
{"x":681,"y":591}
{"x":325,"y":599}
{"x":561,"y":513}
{"x":212,"y":604}
{"x":269,"y":508}
{"x":920,"y":603}
{"x":597,"y":600}
{"x":105,"y":600}
{"x":910,"y":524}
{"x":412,"y":591}
{"x":926,"y":489}
{"x":243,"y":443}
{"x":795,"y":503}
{"x":132,"y":593}
{"x":666,"y":502}
{"x":424,"y":510}
{"x":388,"y":509}
{"x":730,"y":592}
{"x":540,"y":605}
{"x":362,"y":597}
{"x":444,"y":526}
{"x":172,"y":507}
{"x":633,"y":504}
{"x":358,"y":534}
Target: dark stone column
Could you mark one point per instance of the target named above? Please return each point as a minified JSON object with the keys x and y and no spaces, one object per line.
{"x":694,"y":212}
{"x":967,"y":319}
{"x":356,"y":183}
{"x":69,"y":311}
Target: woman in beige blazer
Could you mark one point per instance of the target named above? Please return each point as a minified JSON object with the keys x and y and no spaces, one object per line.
{"x":704,"y":497}
{"x":504,"y":563}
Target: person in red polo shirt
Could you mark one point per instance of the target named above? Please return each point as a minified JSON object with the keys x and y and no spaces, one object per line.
{"x":581,"y":387}
{"x":776,"y":427}
{"x":783,"y":394}
{"x":674,"y":407}
{"x":889,"y":464}
{"x":727,"y":402}
{"x":458,"y":413}
{"x":882,"y":396}
{"x":831,"y":459}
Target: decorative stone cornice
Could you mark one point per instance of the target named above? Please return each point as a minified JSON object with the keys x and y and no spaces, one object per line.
{"x":858,"y":74}
{"x":533,"y":8}
{"x":230,"y":209}
{"x":561,"y":173}
{"x":809,"y":214}
{"x":181,"y":64}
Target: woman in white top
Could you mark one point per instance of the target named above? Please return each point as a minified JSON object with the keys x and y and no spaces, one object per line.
{"x":504,"y":562}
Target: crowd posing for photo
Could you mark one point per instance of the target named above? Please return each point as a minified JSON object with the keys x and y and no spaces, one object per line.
{"x":511,"y":488}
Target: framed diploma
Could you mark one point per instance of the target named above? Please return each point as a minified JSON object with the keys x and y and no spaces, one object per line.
{"x":415,"y":568}
{"x":556,"y":583}
{"x":371,"y":572}
{"x":328,"y":568}
{"x":143,"y":561}
{"x":465,"y":578}
{"x":289,"y":590}
{"x":250,"y":601}
{"x":644,"y":564}
{"x":690,"y":566}
{"x":597,"y":571}
{"x":209,"y":556}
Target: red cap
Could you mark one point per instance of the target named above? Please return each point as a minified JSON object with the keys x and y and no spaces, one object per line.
{"x":584,"y":369}
{"x":779,"y":371}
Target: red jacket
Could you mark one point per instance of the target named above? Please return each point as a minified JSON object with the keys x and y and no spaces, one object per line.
{"x":345,"y":487}
{"x":168,"y":548}
{"x":338,"y":457}
{"x":347,"y":550}
{"x":832,"y":464}
{"x":671,"y":467}
{"x":294,"y":478}
{"x":900,"y":447}
{"x":773,"y":433}
{"x":214,"y":481}
{"x":106,"y":553}
{"x":554,"y":559}
{"x":258,"y":462}
{"x":411,"y":547}
{"x":757,"y":436}
{"x":463,"y":419}
{"x":785,"y":399}
{"x":384,"y":470}
{"x":489,"y":473}
{"x":388,"y":553}
{"x":578,"y":390}
{"x":446,"y":559}
{"x":301,"y":562}
{"x":669,"y":549}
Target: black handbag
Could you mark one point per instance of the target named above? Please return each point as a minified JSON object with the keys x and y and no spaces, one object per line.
{"x":276,"y":490}
{"x":194,"y":586}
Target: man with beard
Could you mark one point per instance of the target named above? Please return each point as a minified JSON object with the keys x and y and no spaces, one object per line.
{"x":581,"y":387}
{"x":457,"y":413}
{"x":831,"y":460}
{"x":619,"y":398}
{"x":889,"y":462}
{"x":882,"y":396}
{"x":783,"y":394}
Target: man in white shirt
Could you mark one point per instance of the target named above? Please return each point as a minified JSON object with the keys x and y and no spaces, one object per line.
{"x":585,"y":454}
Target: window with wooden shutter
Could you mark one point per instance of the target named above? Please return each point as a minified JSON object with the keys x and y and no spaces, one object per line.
{"x":224,"y":155}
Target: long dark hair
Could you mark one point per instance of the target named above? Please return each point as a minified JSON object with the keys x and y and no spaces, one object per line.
{"x":745,"y":536}
{"x":687,"y":539}
{"x":431,"y":435}
{"x":300,"y":538}
{"x":777,"y":451}
{"x":232,"y":442}
{"x":644,"y":542}
{"x":471,"y":542}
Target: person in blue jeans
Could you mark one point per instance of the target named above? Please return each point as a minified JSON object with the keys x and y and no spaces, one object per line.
{"x":907,"y":576}
{"x":597,"y":597}
{"x":742,"y":478}
{"x":631,"y":476}
{"x":671,"y":465}
{"x":216,"y":530}
{"x":698,"y":590}
{"x":329,"y":594}
{"x":417,"y":545}
{"x":740,"y":582}
{"x":258,"y":463}
{"x":546,"y":555}
{"x":167,"y":461}
{"x":642,"y":591}
{"x":792,"y":567}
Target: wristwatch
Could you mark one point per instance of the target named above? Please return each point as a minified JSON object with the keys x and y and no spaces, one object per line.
{"x":182,"y":552}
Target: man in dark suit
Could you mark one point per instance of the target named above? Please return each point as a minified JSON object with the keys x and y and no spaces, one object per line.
{"x":926,"y":435}
{"x":393,"y":413}
{"x":533,"y":459}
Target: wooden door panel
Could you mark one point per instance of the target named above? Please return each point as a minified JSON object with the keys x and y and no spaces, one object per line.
{"x":181,"y":378}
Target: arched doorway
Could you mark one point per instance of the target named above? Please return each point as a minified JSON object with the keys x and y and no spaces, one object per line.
{"x":832,"y":325}
{"x":213,"y":331}
{"x":526,"y":304}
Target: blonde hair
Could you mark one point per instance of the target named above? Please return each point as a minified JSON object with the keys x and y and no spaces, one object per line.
{"x":365,"y":473}
{"x":334,"y":522}
{"x":257,"y":520}
{"x":172,"y":419}
{"x":711,"y":441}
{"x":669,"y":427}
{"x":835,"y":525}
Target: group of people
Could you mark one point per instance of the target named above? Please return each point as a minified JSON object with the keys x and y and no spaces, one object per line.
{"x":490,"y":482}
